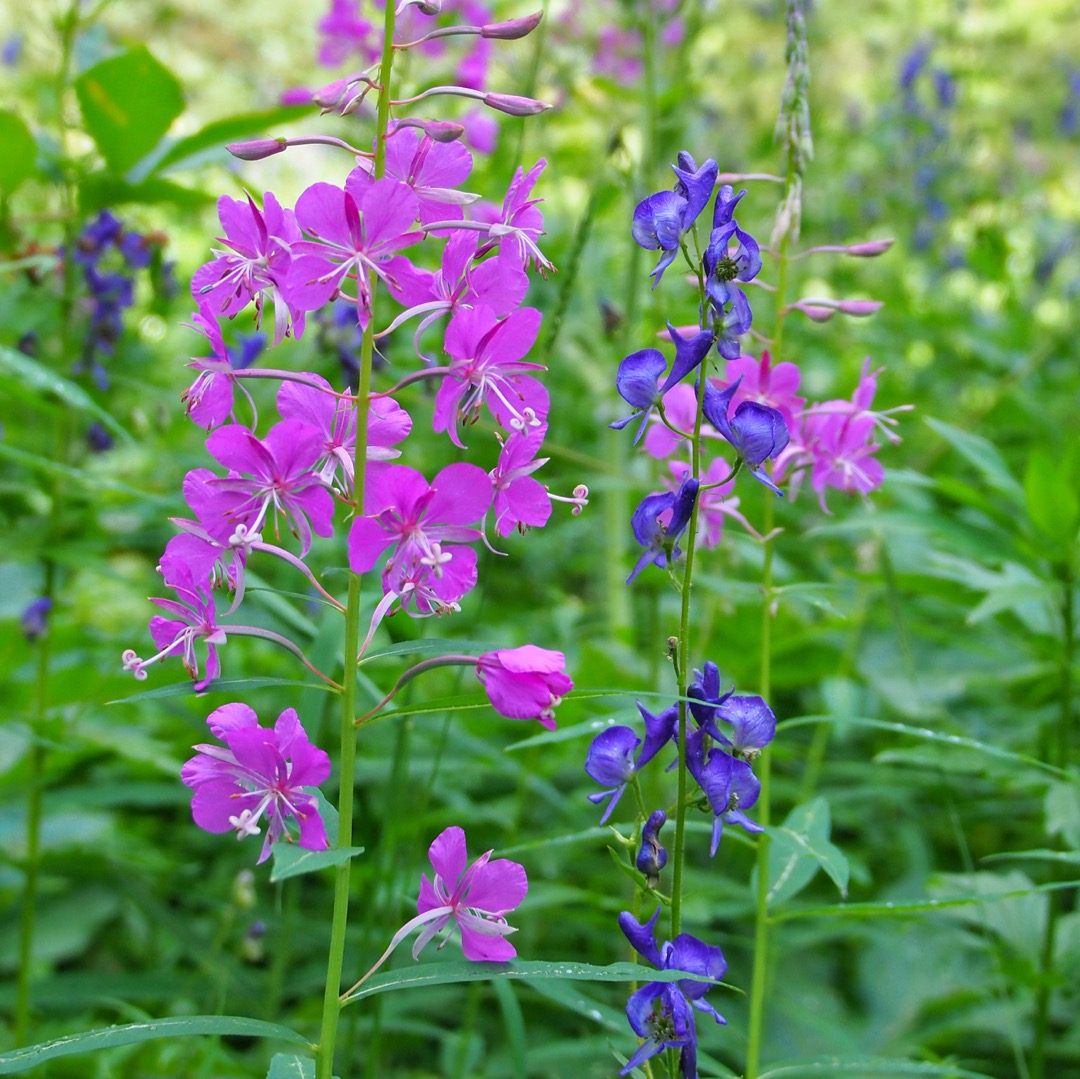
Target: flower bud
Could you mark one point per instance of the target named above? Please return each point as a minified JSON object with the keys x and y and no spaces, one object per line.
{"x":859,"y":308}
{"x":652,"y":857}
{"x":512,"y":29}
{"x":513,"y":105}
{"x":257,"y":149}
{"x":869,"y":250}
{"x":439,"y":130}
{"x":331,"y":95}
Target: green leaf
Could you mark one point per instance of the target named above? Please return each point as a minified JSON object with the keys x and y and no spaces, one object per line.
{"x":292,"y":860}
{"x":20,"y":1060}
{"x":1052,"y":503}
{"x":799,"y":847}
{"x":291,"y":1066}
{"x":214,"y":136}
{"x":868,"y":1068}
{"x":984,"y":456}
{"x":128,"y":103}
{"x":17,"y":162}
{"x":101,"y":190}
{"x":223,"y":685}
{"x":590,"y":728}
{"x":431,"y":646}
{"x":465,"y":971}
{"x":46,"y":383}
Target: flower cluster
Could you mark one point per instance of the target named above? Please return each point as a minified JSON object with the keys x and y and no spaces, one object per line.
{"x":331,"y":462}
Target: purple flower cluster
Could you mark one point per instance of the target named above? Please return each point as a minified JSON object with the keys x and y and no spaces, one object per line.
{"x":278,"y":488}
{"x":105,"y":253}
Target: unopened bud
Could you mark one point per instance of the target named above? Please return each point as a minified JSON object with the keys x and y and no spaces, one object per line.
{"x":814,"y":312}
{"x":439,"y":130}
{"x":257,"y":149}
{"x":513,"y":105}
{"x":859,"y":308}
{"x":869,"y":250}
{"x":330,"y":96}
{"x":512,"y":29}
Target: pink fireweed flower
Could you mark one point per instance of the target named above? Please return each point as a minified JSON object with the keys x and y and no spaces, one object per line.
{"x":261,"y":774}
{"x":256,"y":262}
{"x":475,"y":899}
{"x":526,"y":682}
{"x":209,"y":399}
{"x":768,"y":385}
{"x":343,"y":31}
{"x":280,"y":479}
{"x":422,"y":525}
{"x":680,"y":409}
{"x":486,"y":368}
{"x":519,"y":224}
{"x":195,"y":619}
{"x":355,"y":230}
{"x":334,"y":415}
{"x":520,"y":500}
{"x":432,"y":170}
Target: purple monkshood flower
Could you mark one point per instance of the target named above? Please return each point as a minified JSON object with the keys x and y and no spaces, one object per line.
{"x":652,"y":857}
{"x":768,"y":385}
{"x":267,"y":477}
{"x":659,"y":521}
{"x":694,"y":184}
{"x":662,"y":1013}
{"x":757,"y":431}
{"x":728,"y":783}
{"x":355,"y":229}
{"x":724,"y":207}
{"x":255,"y":263}
{"x":723,"y":266}
{"x":520,"y":501}
{"x":195,"y":619}
{"x":486,"y":367}
{"x":639,"y":374}
{"x":475,"y":899}
{"x":611,"y":761}
{"x":334,"y":415}
{"x":526,"y":682}
{"x":433,"y":170}
{"x":753,"y":725}
{"x":261,"y":774}
{"x":423,"y":525}
{"x":35,"y":618}
{"x":706,"y":693}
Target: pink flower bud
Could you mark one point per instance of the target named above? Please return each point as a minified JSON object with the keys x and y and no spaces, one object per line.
{"x":814,"y":312}
{"x":256,"y":149}
{"x":512,"y":29}
{"x":859,"y":308}
{"x":513,"y":105}
{"x":869,"y":250}
{"x":439,"y":130}
{"x":330,"y":96}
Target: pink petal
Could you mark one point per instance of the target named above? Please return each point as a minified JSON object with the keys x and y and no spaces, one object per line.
{"x":448,"y":855}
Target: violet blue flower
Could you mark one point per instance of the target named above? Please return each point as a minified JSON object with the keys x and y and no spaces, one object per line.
{"x":261,"y":774}
{"x":526,"y":682}
{"x":753,"y":725}
{"x":757,"y":431}
{"x":659,"y":521}
{"x":610,"y":761}
{"x":652,"y":857}
{"x":476,"y":899}
{"x":728,"y":783}
{"x":662,"y":1013}
{"x":34,"y":619}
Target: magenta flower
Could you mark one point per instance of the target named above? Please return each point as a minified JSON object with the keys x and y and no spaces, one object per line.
{"x":486,"y":368}
{"x":423,"y":524}
{"x":433,"y":170}
{"x":526,"y":682}
{"x":344,"y":31}
{"x":261,"y":774}
{"x":519,"y":224}
{"x":195,"y":619}
{"x":209,"y":399}
{"x":357,"y":229}
{"x":281,"y":480}
{"x":476,"y":899}
{"x":256,"y":262}
{"x":334,"y":416}
{"x":520,"y":500}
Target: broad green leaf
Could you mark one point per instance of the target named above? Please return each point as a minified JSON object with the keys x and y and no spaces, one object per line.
{"x":128,"y":103}
{"x":1062,"y":807}
{"x":291,"y":1066}
{"x":984,"y":455}
{"x":868,"y":1068}
{"x":1052,"y":503}
{"x":799,"y":847}
{"x":292,"y":860}
{"x":20,"y":1060}
{"x":215,"y":135}
{"x":102,"y":190}
{"x":38,"y":378}
{"x":430,"y":974}
{"x":17,"y":162}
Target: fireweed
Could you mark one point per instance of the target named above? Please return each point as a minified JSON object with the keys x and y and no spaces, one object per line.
{"x":709,"y":415}
{"x":334,"y":463}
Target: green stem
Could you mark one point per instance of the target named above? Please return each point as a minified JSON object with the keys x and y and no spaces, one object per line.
{"x":1061,"y":746}
{"x":324,"y":1067}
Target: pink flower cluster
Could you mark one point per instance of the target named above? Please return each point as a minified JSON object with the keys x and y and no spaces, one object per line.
{"x":275,"y":491}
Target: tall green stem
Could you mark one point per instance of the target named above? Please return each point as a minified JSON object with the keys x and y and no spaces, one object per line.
{"x":347,"y":770}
